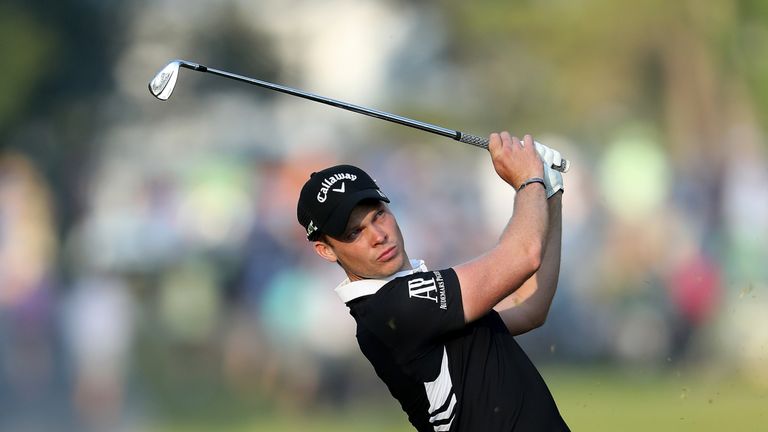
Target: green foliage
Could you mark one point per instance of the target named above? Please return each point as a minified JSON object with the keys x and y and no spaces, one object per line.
{"x":590,"y":65}
{"x":24,"y":46}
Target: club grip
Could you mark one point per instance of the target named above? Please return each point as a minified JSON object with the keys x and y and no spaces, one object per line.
{"x":473,"y":140}
{"x":477,"y":141}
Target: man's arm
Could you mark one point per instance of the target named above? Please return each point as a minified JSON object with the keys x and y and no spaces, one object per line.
{"x":486,"y":280}
{"x":528,"y":307}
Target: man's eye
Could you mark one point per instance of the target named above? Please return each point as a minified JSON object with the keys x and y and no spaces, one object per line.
{"x":353,"y":234}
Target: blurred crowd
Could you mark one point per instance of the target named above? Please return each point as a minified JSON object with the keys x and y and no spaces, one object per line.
{"x":205,"y":279}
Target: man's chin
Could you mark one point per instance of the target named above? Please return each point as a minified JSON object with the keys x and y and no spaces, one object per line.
{"x":397,"y":264}
{"x":389,"y":268}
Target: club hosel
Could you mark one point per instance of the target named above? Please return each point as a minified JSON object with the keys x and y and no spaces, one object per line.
{"x":194,"y":66}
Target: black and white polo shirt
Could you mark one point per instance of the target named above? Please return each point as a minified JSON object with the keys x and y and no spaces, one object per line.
{"x":447,"y":375}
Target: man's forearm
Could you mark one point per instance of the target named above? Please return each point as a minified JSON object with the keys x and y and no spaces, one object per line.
{"x":527,"y":232}
{"x":527,"y":308}
{"x":518,"y":255}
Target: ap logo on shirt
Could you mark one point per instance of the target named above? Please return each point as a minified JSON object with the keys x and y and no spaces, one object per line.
{"x":428,"y":289}
{"x":422,"y":288}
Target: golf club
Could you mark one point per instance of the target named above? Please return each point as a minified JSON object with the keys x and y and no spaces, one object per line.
{"x":162,"y":85}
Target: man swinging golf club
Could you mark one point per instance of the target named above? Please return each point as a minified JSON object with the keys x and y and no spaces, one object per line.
{"x":442,"y":341}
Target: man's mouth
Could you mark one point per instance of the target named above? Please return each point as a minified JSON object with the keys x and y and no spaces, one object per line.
{"x":388,"y":254}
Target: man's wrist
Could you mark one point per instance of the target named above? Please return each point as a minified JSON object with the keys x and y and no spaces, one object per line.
{"x":532,"y":180}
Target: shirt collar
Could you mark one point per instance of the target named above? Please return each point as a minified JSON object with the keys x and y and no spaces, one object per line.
{"x":349,"y":291}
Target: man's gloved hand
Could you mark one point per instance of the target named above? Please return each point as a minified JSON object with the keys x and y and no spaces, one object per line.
{"x":553,"y":179}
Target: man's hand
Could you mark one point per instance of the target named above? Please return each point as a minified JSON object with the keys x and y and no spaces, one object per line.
{"x":515,"y":161}
{"x":553,"y":179}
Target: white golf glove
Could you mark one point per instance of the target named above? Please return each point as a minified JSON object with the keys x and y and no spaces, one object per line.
{"x":553,"y":179}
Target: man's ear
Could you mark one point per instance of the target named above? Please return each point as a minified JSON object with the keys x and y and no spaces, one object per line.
{"x":324,"y":250}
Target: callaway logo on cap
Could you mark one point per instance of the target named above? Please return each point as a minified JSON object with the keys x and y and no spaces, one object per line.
{"x":328,"y":183}
{"x":330,"y":195}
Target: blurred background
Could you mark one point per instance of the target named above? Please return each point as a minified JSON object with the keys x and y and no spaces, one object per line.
{"x":153,"y":276}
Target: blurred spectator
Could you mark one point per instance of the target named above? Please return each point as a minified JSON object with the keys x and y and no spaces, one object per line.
{"x":695,"y":292}
{"x":27,"y":243}
{"x":99,"y":318}
{"x":28,"y":356}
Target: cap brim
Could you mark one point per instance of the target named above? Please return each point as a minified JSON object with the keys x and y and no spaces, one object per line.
{"x":337,"y":222}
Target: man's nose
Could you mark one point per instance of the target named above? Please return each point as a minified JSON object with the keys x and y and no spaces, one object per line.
{"x":378,"y":235}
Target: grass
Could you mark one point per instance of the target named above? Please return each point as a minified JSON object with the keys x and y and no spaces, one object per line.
{"x":599,"y":401}
{"x":590,"y":400}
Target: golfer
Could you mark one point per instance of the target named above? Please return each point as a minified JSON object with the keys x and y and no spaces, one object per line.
{"x":443,"y":340}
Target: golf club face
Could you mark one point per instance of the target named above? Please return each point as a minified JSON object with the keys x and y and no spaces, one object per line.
{"x":163,"y":83}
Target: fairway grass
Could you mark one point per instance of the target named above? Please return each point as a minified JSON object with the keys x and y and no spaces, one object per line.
{"x":627,"y":401}
{"x":590,"y":400}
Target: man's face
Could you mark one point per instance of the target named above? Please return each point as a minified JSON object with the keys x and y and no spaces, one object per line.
{"x":371,"y":246}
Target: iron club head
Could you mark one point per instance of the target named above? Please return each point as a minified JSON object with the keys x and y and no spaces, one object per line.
{"x":163,"y":83}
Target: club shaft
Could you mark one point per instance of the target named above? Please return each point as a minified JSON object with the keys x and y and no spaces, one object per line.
{"x":450,"y":133}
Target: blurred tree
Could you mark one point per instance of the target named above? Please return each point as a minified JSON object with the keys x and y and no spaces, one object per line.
{"x":750,"y":54}
{"x":24,"y":46}
{"x":592,"y":65}
{"x":57,"y":64}
{"x":229,"y":41}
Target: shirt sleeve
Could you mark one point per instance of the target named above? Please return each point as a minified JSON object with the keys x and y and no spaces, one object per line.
{"x":411,"y":314}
